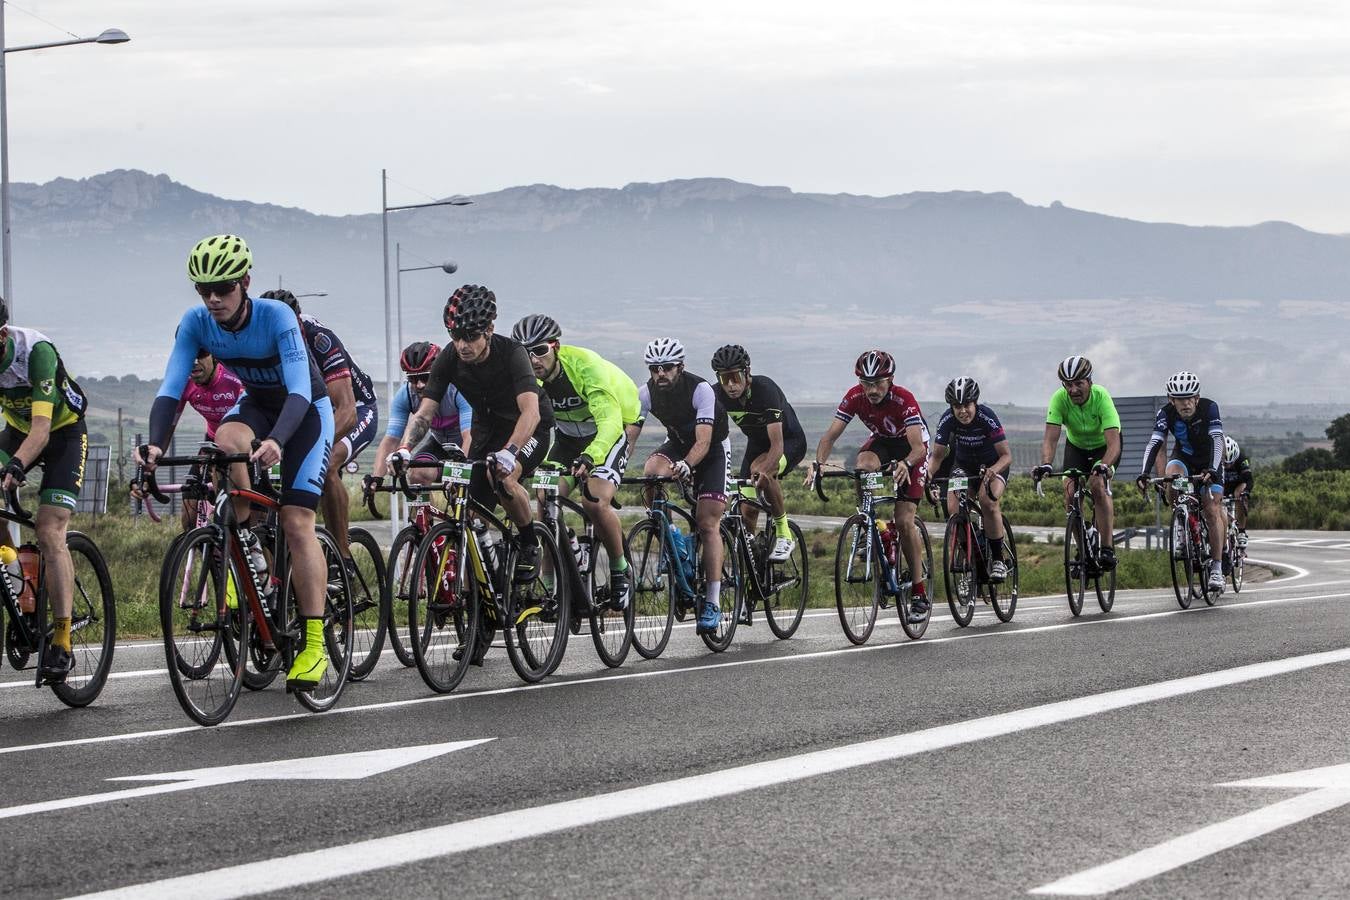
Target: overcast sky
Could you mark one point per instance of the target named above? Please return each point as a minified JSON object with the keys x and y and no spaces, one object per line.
{"x":1222,"y":112}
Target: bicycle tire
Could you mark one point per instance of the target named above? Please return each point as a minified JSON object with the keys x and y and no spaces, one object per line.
{"x":200,"y":667}
{"x":445,"y":601}
{"x":1075,"y":563}
{"x":905,"y":601}
{"x":92,"y":639}
{"x":1003,"y":596}
{"x":718,"y":641}
{"x":857,"y":611}
{"x":793,"y":574}
{"x":1105,"y":598}
{"x":1181,"y":563}
{"x":1236,"y":563}
{"x":959,"y":559}
{"x":653,"y":589}
{"x":206,"y":699}
{"x":337,"y":628}
{"x":397,"y":585}
{"x":368,"y":621}
{"x":611,"y":629}
{"x":539,"y":613}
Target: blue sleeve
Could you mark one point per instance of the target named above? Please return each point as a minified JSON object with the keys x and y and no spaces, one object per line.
{"x":398,"y":414}
{"x":163,"y":413}
{"x":943,"y":436}
{"x":465,"y":411}
{"x":294,"y":372}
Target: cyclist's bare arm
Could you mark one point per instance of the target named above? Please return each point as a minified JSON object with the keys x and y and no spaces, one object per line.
{"x":702,"y":441}
{"x":1051,"y":441}
{"x":825,"y":445}
{"x":419,"y":423}
{"x":344,"y":404}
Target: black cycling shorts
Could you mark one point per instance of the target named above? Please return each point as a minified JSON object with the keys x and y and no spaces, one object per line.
{"x":491,"y":437}
{"x":710,"y":476}
{"x":1076,"y":457}
{"x":1230,"y":487}
{"x":62,"y":462}
{"x":567,"y":448}
{"x":793,"y":454}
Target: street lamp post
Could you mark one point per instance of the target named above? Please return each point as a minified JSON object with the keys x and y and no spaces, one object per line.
{"x":449,"y":267}
{"x":109,"y":36}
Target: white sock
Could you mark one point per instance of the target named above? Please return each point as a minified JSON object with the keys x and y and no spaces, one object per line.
{"x":715,"y":594}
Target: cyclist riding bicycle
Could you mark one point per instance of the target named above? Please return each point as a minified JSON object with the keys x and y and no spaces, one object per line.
{"x":775,"y":441}
{"x":1237,"y":483}
{"x":975,"y":432}
{"x":697,"y":450}
{"x":1197,"y":449}
{"x":512,"y":422}
{"x":285,"y":404}
{"x":593,"y":401}
{"x":898,"y":434}
{"x":355,"y":415}
{"x":212,"y":390}
{"x":1087,"y":414}
{"x":44,"y":412}
{"x":451,"y":422}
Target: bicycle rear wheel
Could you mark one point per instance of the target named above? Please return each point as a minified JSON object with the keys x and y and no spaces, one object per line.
{"x":959,"y":562}
{"x":1003,"y":597}
{"x":443,"y":607}
{"x":538,"y":613}
{"x":1236,"y":557}
{"x":196,"y":622}
{"x":1182,"y":558}
{"x":1105,"y":586}
{"x":397,"y":587}
{"x":368,"y":621}
{"x":653,"y":589}
{"x":857,"y":578}
{"x":337,"y":628}
{"x":789,"y":587}
{"x":732,"y":594}
{"x":93,"y":624}
{"x":1075,"y":563}
{"x":905,"y":602}
{"x":611,"y":629}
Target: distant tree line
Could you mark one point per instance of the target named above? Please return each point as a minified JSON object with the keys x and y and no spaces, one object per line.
{"x":1320,"y":459}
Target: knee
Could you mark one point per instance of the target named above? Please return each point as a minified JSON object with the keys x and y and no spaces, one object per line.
{"x":233,"y":437}
{"x":51,"y":536}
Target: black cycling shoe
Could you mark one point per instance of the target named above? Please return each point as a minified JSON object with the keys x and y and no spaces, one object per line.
{"x":56,"y":664}
{"x":527,"y":562}
{"x":919,"y":608}
{"x":1106,"y":559}
{"x":620,"y":589}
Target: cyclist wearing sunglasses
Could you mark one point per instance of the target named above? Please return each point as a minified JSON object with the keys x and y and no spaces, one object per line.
{"x":212,"y":390}
{"x":285,"y":404}
{"x":355,"y":415}
{"x":44,"y":426}
{"x":593,"y":400}
{"x":450,"y":422}
{"x":697,"y":449}
{"x":512,"y":422}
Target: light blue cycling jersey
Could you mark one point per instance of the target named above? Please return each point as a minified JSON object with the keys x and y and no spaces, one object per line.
{"x":452,"y":416}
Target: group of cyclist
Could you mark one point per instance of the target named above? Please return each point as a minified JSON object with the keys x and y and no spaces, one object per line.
{"x":277,"y":384}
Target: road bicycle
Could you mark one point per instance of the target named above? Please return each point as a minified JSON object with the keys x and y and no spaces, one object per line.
{"x":1187,"y":540}
{"x":782,"y":587}
{"x":1082,"y":545}
{"x":966,"y":557}
{"x":869,"y":564}
{"x":668,"y":577}
{"x":586,"y":566}
{"x":216,"y":638}
{"x":1235,"y":554}
{"x":463,"y":588}
{"x":93,"y":620}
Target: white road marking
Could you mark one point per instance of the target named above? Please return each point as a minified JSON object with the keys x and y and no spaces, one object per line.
{"x":335,"y":767}
{"x":658,"y":673}
{"x":1332,"y":785}
{"x":280,"y":873}
{"x":137,"y":673}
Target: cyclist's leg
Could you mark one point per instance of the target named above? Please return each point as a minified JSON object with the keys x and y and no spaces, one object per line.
{"x":1103,"y":509}
{"x":304,"y":462}
{"x":1075,"y":457}
{"x":1212,"y":509}
{"x":335,"y":500}
{"x":235,"y":435}
{"x":661,"y":462}
{"x":710,"y":488}
{"x":992,"y":510}
{"x":602,"y":484}
{"x":62,"y":477}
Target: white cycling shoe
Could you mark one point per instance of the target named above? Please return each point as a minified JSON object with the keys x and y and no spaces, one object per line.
{"x":782,"y":549}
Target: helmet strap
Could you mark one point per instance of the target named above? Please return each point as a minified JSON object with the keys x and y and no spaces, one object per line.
{"x":241,"y":315}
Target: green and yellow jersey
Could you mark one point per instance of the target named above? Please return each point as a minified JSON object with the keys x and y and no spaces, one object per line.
{"x":33,"y":382}
{"x":592,"y":399}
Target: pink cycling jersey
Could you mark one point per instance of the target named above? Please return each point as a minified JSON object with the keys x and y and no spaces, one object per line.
{"x":213,"y":399}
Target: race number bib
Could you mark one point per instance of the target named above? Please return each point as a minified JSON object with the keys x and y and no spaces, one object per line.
{"x":873,"y":483}
{"x":960,"y":483}
{"x":456,"y":472}
{"x":546,"y":480}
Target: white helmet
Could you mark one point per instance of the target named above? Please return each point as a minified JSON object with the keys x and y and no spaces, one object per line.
{"x":1231,"y":451}
{"x":1183,"y":384}
{"x":664,"y":350}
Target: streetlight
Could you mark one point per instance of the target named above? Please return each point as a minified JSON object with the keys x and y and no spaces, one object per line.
{"x":109,"y":36}
{"x":449,"y":267}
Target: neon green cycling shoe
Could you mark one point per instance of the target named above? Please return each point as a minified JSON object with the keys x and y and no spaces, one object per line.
{"x":310,"y":663}
{"x":231,"y":593}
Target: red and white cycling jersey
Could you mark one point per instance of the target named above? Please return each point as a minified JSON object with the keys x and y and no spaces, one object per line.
{"x":889,"y":418}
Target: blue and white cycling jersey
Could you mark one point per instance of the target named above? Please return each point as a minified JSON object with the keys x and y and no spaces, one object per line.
{"x":453,"y":416}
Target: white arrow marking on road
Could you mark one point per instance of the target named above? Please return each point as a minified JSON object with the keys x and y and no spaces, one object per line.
{"x":338,"y":767}
{"x":1332,"y":790}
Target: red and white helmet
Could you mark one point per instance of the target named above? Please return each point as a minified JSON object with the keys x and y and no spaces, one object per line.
{"x":874,"y":364}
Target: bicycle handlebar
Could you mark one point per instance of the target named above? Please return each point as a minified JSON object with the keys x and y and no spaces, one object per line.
{"x":212,"y":456}
{"x":12,"y":498}
{"x":839,"y":472}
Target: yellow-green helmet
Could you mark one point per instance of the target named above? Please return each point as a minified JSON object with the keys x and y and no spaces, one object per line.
{"x":221,"y":257}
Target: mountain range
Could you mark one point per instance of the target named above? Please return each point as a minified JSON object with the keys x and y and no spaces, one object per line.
{"x":951,"y":283}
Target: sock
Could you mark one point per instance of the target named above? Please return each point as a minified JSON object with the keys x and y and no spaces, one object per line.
{"x":715,"y":594}
{"x":62,"y":636}
{"x":781,"y":526}
{"x":920,"y":589}
{"x":996,"y":548}
{"x":620,"y":566}
{"x":314,"y":632}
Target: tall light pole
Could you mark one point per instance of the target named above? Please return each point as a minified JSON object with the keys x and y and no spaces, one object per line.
{"x":109,"y":36}
{"x":449,"y":267}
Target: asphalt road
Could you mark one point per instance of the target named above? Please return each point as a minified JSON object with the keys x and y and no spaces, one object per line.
{"x":1067,"y":756}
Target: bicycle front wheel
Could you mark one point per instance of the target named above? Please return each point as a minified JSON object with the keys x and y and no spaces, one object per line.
{"x":337,"y":627}
{"x":1236,"y":555}
{"x":916,"y":625}
{"x":1182,"y":558}
{"x":398,"y":586}
{"x":789,"y":586}
{"x":93,"y":624}
{"x":1105,"y":586}
{"x":611,"y":629}
{"x":857,"y":578}
{"x":197,"y":620}
{"x":538,"y":612}
{"x":653,"y":598}
{"x":1003,"y":597}
{"x":368,"y":621}
{"x":959,"y":562}
{"x":443,"y":607}
{"x":1075,"y":563}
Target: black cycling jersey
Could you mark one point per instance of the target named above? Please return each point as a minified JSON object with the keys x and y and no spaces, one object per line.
{"x":334,"y":360}
{"x":1240,"y":470}
{"x":972,"y":445}
{"x":491,"y":387}
{"x":760,"y":406}
{"x":1197,"y":440}
{"x":690,"y":401}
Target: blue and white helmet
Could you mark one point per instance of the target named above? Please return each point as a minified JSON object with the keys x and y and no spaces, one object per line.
{"x":664,"y":350}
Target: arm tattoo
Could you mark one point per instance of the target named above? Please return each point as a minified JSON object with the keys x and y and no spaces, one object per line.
{"x":418,"y":426}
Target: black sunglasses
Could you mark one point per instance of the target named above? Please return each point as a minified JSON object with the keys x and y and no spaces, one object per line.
{"x":662,"y":367}
{"x":540,"y":349}
{"x":219,"y":288}
{"x":461,"y":334}
{"x":419,"y":379}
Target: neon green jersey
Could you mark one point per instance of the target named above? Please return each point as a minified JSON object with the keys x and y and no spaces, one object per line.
{"x":592,"y":398}
{"x":1084,"y":426}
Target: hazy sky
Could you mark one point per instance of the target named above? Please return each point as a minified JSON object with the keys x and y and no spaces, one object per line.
{"x":1197,"y":111}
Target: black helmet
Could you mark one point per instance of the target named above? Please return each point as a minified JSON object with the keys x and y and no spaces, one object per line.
{"x":471,"y":308}
{"x":284,"y":296}
{"x":963,"y":390}
{"x":729,"y":358}
{"x":417,"y":357}
{"x":536,"y":329}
